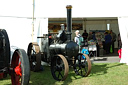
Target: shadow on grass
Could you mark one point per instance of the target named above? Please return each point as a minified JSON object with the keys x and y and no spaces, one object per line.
{"x":71,"y":77}
{"x":98,"y":69}
{"x":101,"y":69}
{"x":45,"y":78}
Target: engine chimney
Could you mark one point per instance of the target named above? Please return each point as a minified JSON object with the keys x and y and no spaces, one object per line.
{"x":69,"y":22}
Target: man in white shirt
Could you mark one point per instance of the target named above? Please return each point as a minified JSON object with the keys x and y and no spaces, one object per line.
{"x":77,"y":37}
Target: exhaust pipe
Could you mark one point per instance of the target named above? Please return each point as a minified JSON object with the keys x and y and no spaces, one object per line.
{"x":69,"y":22}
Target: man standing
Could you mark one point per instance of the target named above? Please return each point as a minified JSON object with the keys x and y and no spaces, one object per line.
{"x":113,"y":35}
{"x":108,"y":39}
{"x":85,"y":35}
{"x":78,"y":39}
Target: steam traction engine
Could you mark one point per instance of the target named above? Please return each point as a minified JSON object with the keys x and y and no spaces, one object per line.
{"x":61,"y":53}
{"x":18,"y":68}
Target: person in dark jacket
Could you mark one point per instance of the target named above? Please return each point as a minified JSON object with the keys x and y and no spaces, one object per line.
{"x":108,"y":39}
{"x":85,"y":35}
{"x":93,"y":36}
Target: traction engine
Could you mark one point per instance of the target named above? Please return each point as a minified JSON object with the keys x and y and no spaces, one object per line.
{"x":18,"y":68}
{"x":61,"y":53}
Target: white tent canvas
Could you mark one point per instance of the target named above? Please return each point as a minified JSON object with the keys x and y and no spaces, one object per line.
{"x":16,"y":15}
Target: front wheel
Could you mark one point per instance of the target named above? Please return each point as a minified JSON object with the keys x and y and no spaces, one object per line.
{"x":59,"y":67}
{"x":20,"y":69}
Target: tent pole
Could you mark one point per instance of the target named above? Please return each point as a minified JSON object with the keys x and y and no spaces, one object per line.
{"x":33,"y":20}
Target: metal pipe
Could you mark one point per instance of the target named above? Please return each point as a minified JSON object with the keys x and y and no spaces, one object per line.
{"x":69,"y":22}
{"x":33,"y":19}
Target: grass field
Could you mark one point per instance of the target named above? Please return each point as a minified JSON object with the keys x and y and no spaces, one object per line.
{"x":101,"y":74}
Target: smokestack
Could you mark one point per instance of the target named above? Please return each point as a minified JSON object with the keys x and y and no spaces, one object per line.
{"x":69,"y":22}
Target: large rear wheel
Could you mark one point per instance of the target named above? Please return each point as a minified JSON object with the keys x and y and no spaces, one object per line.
{"x":6,"y":47}
{"x":20,"y":69}
{"x":34,"y":55}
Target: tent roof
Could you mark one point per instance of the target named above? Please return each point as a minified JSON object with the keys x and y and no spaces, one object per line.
{"x":57,"y":8}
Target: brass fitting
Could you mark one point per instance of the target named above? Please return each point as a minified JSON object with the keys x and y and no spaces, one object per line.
{"x":69,"y":6}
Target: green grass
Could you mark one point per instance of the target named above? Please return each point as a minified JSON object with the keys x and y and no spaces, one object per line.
{"x":101,"y":74}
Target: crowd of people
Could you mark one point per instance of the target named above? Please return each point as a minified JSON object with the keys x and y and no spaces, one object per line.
{"x":107,"y":43}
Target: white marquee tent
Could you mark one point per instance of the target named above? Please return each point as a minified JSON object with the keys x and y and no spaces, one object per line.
{"x":16,"y":17}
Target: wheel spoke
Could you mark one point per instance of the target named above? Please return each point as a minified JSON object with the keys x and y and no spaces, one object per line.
{"x":60,"y":74}
{"x":85,"y":70}
{"x":79,"y":69}
{"x":17,"y":79}
{"x":55,"y":69}
{"x":33,"y":51}
{"x":20,"y":64}
{"x":81,"y":72}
